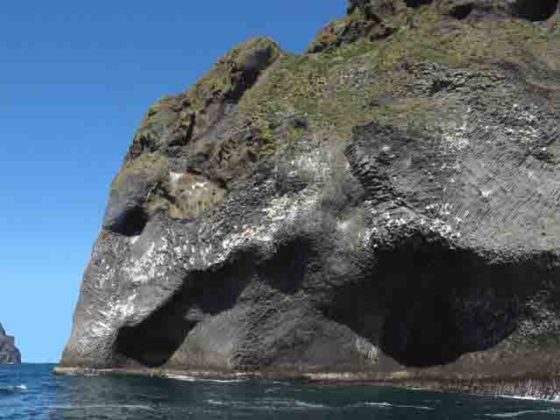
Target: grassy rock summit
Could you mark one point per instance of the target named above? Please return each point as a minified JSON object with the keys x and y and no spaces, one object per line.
{"x":385,"y":206}
{"x":9,"y":354}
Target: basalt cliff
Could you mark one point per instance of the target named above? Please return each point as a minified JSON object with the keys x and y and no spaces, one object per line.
{"x":385,"y":206}
{"x":9,"y":354}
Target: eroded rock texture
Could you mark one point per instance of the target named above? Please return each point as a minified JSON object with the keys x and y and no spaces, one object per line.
{"x":386,"y":203}
{"x":9,"y":354}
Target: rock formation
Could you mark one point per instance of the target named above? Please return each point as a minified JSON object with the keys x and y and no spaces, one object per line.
{"x":9,"y":354}
{"x":385,"y":205}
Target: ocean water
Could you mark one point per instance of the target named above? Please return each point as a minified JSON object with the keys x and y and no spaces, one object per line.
{"x":32,"y":392}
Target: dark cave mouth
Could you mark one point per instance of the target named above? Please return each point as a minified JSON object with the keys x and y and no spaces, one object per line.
{"x":417,"y":3}
{"x":461,"y":11}
{"x":535,"y":10}
{"x":154,"y":341}
{"x":446,"y":302}
{"x":425,"y":302}
{"x":532,"y":10}
{"x":131,"y":223}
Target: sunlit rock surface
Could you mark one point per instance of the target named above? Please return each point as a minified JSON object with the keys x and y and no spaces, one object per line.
{"x":385,"y":205}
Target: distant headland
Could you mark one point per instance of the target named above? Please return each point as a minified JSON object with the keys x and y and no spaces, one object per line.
{"x":9,"y":354}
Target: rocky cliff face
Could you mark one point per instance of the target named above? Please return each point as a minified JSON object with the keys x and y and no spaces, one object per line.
{"x":9,"y":354}
{"x":385,"y":204}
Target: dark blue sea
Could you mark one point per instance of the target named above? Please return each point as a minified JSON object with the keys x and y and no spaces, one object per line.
{"x":33,"y":392}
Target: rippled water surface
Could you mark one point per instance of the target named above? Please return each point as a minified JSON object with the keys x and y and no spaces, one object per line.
{"x":32,"y":392}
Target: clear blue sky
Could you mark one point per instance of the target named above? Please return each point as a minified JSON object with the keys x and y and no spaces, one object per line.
{"x":75,"y":80}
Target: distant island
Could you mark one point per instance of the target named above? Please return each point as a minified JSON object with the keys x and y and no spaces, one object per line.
{"x":9,"y":354}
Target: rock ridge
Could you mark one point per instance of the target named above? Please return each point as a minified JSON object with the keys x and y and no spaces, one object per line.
{"x":378,"y":19}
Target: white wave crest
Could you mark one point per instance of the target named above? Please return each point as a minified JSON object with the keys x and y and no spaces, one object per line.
{"x":15,"y":388}
{"x":97,"y":407}
{"x":522,"y":413}
{"x":185,"y":378}
{"x":389,"y":405}
{"x":304,"y":404}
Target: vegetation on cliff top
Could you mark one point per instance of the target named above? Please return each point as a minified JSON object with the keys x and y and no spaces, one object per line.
{"x":342,"y":87}
{"x":360,"y":73}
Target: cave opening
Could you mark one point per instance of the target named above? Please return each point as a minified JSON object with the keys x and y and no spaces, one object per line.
{"x":535,"y":10}
{"x":461,"y":11}
{"x":443,"y":303}
{"x":425,"y":302}
{"x":286,"y":270}
{"x":131,"y":223}
{"x":155,"y":340}
{"x":417,"y":3}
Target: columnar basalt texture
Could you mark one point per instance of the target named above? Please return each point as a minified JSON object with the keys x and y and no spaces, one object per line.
{"x":9,"y":354}
{"x":385,"y":204}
